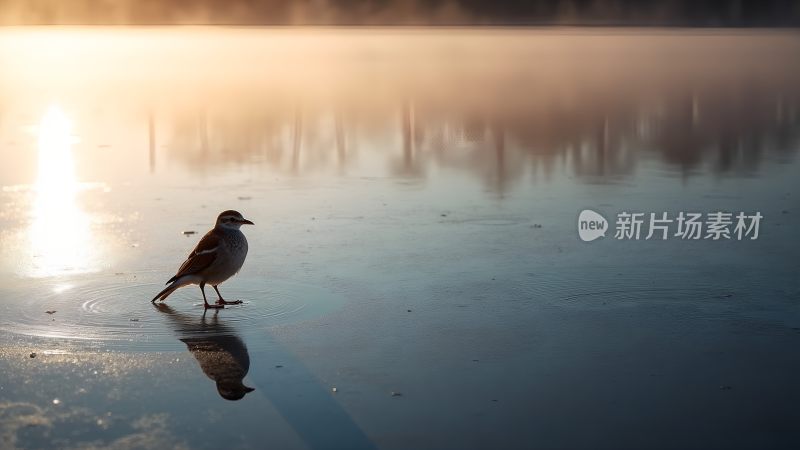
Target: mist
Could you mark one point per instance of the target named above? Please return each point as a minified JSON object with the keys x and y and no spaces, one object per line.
{"x":729,"y":13}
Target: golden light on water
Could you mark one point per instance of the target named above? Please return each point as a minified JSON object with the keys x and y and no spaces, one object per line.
{"x":56,"y":175}
{"x":59,"y":235}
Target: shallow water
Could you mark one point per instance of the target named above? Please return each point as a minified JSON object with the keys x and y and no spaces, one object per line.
{"x":416,"y":196}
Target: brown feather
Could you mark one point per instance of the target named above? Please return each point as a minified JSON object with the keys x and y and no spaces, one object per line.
{"x":198,"y":260}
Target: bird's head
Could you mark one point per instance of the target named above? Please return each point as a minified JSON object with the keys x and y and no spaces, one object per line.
{"x":233,"y":389}
{"x":232,"y":219}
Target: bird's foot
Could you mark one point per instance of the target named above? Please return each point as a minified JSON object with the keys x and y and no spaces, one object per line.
{"x":209,"y":306}
{"x":225,"y":302}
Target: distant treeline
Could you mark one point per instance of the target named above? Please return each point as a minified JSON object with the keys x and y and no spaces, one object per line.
{"x":699,"y":13}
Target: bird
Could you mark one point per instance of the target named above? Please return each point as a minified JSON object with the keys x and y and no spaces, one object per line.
{"x":218,"y":256}
{"x":221,"y":353}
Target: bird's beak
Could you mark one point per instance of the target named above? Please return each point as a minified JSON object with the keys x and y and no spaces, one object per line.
{"x":246,"y":222}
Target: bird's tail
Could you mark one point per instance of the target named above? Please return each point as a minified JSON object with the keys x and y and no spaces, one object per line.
{"x":180,"y":282}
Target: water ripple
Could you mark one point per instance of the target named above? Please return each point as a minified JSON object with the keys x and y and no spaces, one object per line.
{"x":114,"y":311}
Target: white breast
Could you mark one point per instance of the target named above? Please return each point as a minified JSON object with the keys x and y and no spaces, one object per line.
{"x":230,"y":257}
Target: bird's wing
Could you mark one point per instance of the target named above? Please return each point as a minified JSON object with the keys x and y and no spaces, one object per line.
{"x":201,"y":257}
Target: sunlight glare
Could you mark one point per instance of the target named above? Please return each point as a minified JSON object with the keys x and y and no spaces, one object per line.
{"x":59,"y":233}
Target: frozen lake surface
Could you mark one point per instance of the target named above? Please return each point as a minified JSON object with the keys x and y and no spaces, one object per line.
{"x":415,"y":277}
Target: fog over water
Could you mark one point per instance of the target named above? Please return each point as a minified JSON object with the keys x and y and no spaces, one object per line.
{"x":415,"y":194}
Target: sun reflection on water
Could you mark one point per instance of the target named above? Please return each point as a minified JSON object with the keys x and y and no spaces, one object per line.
{"x":59,"y":234}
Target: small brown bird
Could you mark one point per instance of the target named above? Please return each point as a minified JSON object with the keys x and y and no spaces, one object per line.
{"x":218,"y":349}
{"x":218,"y":256}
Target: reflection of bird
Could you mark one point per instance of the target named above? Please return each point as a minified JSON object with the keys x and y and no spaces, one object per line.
{"x":217,"y":257}
{"x":222,"y":355}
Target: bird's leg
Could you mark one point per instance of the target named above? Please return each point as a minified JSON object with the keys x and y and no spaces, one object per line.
{"x":205,"y":302}
{"x":222,"y":301}
{"x":203,"y":320}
